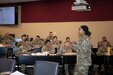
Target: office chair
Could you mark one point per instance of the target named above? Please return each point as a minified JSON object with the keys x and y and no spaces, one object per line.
{"x":46,"y":68}
{"x":3,"y":52}
{"x":94,"y":50}
{"x":14,"y":50}
{"x":7,"y":65}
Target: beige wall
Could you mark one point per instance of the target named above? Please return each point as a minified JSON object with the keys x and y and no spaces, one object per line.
{"x":63,"y":29}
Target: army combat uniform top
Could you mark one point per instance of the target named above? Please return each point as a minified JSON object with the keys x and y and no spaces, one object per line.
{"x":37,"y":43}
{"x":23,"y":49}
{"x":83,"y":49}
{"x":50,"y":50}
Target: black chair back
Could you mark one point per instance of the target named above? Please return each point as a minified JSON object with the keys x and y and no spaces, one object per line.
{"x":30,"y":60}
{"x":98,"y":59}
{"x":94,"y":50}
{"x":7,"y":65}
{"x":3,"y":52}
{"x":46,"y":68}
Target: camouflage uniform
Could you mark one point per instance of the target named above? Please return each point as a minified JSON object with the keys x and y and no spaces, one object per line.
{"x":68,"y":67}
{"x":65,"y":50}
{"x":103,"y":45}
{"x":23,"y":49}
{"x":83,"y":49}
{"x":51,"y":49}
{"x":56,"y":44}
{"x":20,"y":43}
{"x":8,"y":39}
{"x":37,"y":43}
{"x":102,"y":51}
{"x":49,"y":38}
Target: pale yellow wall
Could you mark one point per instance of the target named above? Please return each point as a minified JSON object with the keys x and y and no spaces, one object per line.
{"x":62,"y":30}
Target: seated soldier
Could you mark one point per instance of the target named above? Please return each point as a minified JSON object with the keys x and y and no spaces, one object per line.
{"x":55,"y":43}
{"x":8,"y":40}
{"x":103,"y":45}
{"x":50,"y":36}
{"x":68,"y":39}
{"x":67,"y":49}
{"x":48,"y":47}
{"x":24,"y":48}
{"x":102,"y":49}
{"x":23,"y":37}
{"x":37,"y":44}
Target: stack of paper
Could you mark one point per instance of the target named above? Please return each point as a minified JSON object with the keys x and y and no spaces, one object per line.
{"x":17,"y":73}
{"x":38,"y":54}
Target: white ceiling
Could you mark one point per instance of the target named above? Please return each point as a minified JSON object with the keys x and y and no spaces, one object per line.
{"x":15,"y":1}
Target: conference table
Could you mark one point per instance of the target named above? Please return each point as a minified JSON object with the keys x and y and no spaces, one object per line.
{"x":29,"y":59}
{"x":63,"y":59}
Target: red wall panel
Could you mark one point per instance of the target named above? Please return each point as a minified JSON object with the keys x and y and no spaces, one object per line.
{"x":60,"y":11}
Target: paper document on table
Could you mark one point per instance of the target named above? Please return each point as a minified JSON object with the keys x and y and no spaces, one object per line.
{"x":38,"y":54}
{"x":69,"y":54}
{"x":17,"y":73}
{"x":52,"y":54}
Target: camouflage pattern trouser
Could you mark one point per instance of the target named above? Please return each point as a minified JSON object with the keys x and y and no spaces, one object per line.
{"x":81,"y":70}
{"x":23,"y":68}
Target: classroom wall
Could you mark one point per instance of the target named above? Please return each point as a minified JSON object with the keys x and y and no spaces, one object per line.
{"x":39,"y":18}
{"x":60,"y":11}
{"x":62,"y":30}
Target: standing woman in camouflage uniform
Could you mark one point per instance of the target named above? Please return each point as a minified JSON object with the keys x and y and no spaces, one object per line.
{"x":83,"y":49}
